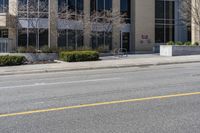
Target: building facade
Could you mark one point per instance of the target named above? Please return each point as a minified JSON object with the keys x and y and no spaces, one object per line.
{"x":68,"y":23}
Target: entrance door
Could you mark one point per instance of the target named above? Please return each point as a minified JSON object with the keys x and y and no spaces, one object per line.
{"x":125,"y":41}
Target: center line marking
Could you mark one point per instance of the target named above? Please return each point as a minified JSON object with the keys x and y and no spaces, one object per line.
{"x":99,"y":104}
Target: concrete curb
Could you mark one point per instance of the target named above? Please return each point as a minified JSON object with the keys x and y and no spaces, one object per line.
{"x":93,"y":68}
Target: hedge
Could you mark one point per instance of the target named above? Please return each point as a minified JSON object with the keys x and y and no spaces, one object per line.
{"x":77,"y":56}
{"x":8,"y":60}
{"x":182,"y":43}
{"x":44,"y":49}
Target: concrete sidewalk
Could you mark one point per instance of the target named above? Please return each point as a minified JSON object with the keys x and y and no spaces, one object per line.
{"x":106,"y":62}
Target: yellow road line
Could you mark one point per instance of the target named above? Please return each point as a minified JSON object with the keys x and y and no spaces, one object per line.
{"x":98,"y":104}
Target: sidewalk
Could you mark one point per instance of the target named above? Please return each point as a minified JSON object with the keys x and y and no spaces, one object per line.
{"x":106,"y":62}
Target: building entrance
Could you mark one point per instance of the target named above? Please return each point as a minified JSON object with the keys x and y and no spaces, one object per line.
{"x":125,"y":41}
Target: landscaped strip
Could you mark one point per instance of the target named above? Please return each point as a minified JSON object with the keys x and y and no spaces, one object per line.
{"x":77,"y":56}
{"x":8,"y":60}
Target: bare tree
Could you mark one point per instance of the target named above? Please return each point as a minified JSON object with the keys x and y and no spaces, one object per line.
{"x":71,"y":19}
{"x":32,"y":16}
{"x":190,"y":13}
{"x":35,"y":18}
{"x":104,"y":21}
{"x":94,"y":25}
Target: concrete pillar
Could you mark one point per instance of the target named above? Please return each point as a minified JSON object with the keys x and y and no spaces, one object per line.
{"x":132,"y":31}
{"x":12,"y":30}
{"x":116,"y":28}
{"x":144,"y":19}
{"x":194,"y":26}
{"x":86,"y":24}
{"x":195,"y":33}
{"x":53,"y":13}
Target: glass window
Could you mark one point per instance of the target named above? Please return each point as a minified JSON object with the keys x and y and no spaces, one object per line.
{"x":125,"y":9}
{"x":100,"y":8}
{"x":101,"y":41}
{"x":62,"y":5}
{"x":43,"y":37}
{"x":165,"y":21}
{"x":43,"y":5}
{"x":79,"y":36}
{"x":3,"y":6}
{"x":108,"y":5}
{"x":94,"y":42}
{"x":74,"y":6}
{"x":93,"y":6}
{"x":169,"y":35}
{"x":80,"y":6}
{"x":71,"y":39}
{"x":169,"y":9}
{"x":108,"y":40}
{"x":189,"y":34}
{"x":3,"y":33}
{"x":36,"y":8}
{"x":160,"y":9}
{"x":62,"y":39}
{"x":34,"y":12}
{"x":33,"y":5}
{"x":22,"y":5}
{"x":32,"y":37}
{"x":159,"y":34}
{"x":22,"y":37}
{"x":100,"y":5}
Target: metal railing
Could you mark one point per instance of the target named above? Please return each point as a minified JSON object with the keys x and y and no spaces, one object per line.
{"x":121,"y":52}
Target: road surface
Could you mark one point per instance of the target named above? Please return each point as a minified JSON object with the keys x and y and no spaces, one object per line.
{"x":156,"y":99}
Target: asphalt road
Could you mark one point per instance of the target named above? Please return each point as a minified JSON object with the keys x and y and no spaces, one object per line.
{"x":156,"y":99}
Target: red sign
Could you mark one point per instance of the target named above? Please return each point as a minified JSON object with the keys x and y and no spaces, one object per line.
{"x":145,"y":37}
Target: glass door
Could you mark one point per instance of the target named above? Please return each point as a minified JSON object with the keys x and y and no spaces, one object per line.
{"x":125,"y":41}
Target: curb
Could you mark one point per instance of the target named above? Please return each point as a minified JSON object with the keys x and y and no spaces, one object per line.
{"x":94,"y":68}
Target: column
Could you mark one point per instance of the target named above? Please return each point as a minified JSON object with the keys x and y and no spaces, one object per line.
{"x":116,"y":28}
{"x":132,"y":33}
{"x":53,"y":13}
{"x":87,"y":24}
{"x":144,"y":25}
{"x":12,"y":25}
{"x":195,"y":27}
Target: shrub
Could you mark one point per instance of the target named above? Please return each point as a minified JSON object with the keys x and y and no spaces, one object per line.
{"x":196,"y":44}
{"x":178,"y":43}
{"x":21,"y":50}
{"x":77,"y":56}
{"x":8,"y":60}
{"x":187,"y":43}
{"x":45,"y":49}
{"x":170,"y":43}
{"x":31,"y":49}
{"x":55,"y":49}
{"x":103,"y":49}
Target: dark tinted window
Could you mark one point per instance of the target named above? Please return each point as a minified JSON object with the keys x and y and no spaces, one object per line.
{"x":165,"y":21}
{"x":125,"y":9}
{"x":3,"y":6}
{"x":22,"y":37}
{"x":72,"y":5}
{"x":43,"y":37}
{"x":108,"y":5}
{"x":160,"y":9}
{"x":100,"y":5}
